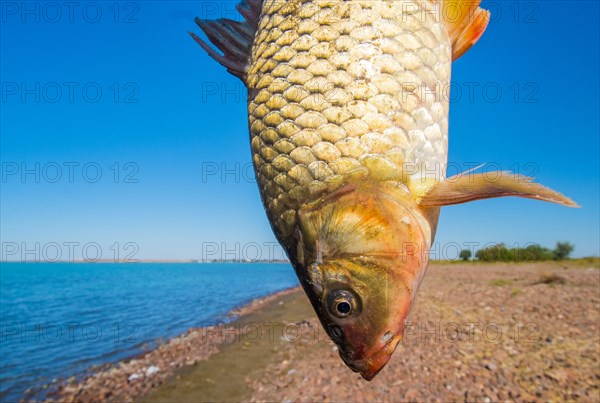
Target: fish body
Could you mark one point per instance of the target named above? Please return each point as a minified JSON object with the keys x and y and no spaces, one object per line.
{"x":341,"y":89}
{"x":348,"y":119}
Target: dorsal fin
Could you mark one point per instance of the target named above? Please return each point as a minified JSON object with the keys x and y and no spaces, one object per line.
{"x":233,"y":38}
{"x":465,"y":22}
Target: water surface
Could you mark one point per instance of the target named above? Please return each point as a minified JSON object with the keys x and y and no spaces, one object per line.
{"x":58,"y":319}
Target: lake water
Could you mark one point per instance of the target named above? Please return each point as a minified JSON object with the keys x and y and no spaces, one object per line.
{"x":58,"y":319}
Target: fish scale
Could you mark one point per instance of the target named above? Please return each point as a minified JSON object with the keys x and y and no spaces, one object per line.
{"x":342,"y":88}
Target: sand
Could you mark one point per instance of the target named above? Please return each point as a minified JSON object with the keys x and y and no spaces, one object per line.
{"x":478,"y":332}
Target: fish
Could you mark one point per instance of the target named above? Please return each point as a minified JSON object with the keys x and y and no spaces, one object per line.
{"x":348,"y":131}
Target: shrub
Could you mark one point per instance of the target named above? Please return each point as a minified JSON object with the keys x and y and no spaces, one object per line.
{"x":465,"y":254}
{"x":532,"y":253}
{"x":563,"y":250}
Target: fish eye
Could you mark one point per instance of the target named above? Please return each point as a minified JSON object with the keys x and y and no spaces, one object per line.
{"x":343,"y":308}
{"x":342,"y":303}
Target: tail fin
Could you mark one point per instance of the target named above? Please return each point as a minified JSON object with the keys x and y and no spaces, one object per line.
{"x":465,"y":22}
{"x":233,"y":38}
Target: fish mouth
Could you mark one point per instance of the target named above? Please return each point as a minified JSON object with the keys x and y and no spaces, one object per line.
{"x":370,"y":366}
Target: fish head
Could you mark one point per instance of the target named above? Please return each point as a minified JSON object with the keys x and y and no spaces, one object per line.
{"x":361,"y":256}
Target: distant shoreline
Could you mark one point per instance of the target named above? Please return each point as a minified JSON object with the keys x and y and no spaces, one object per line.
{"x":155,"y":261}
{"x":576,"y":260}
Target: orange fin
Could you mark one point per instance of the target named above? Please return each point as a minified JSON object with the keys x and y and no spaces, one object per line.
{"x":465,"y":22}
{"x":466,"y":187}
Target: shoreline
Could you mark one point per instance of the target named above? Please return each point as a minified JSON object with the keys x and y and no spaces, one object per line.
{"x":141,"y":261}
{"x":129,"y":379}
{"x":292,"y":359}
{"x":583,"y":260}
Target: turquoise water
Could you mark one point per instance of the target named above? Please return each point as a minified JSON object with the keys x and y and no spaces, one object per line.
{"x":57,"y":320}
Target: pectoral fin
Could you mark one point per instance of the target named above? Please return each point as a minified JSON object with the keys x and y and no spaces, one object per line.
{"x":468,"y":187}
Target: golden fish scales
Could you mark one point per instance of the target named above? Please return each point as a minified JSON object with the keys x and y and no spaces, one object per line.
{"x":345,"y":88}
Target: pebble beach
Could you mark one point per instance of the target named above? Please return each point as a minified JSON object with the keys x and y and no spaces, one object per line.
{"x":477,"y":332}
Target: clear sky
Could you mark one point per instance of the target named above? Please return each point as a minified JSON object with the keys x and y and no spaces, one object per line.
{"x":119,"y":88}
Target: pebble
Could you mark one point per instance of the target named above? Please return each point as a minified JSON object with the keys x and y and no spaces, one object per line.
{"x":133,"y":377}
{"x":411,"y":395}
{"x":152,"y":369}
{"x":491,"y":366}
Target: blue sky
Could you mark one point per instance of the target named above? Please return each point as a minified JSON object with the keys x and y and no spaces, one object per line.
{"x":132,"y":167}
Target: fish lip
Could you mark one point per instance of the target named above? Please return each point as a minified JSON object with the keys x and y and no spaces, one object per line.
{"x":350,"y":364}
{"x":370,"y":366}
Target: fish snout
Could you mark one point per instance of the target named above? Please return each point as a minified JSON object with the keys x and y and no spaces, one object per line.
{"x":374,"y":364}
{"x":369,"y":366}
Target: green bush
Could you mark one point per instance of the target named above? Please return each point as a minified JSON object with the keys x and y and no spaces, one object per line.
{"x":495,"y":253}
{"x":465,"y":254}
{"x":563,"y":250}
{"x":531,"y":253}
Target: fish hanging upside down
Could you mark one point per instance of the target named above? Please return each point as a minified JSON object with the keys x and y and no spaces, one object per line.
{"x":348,"y":121}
